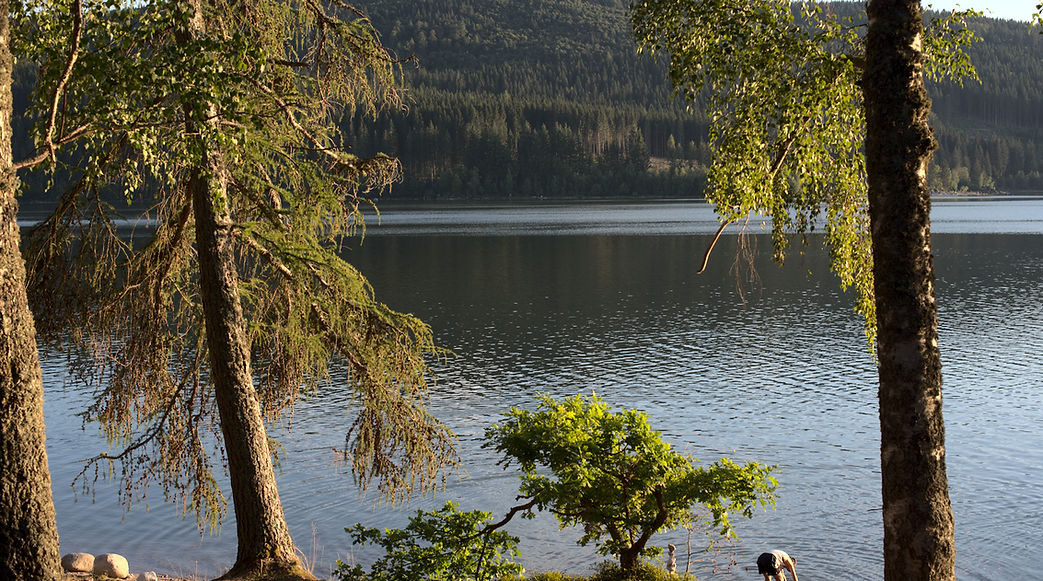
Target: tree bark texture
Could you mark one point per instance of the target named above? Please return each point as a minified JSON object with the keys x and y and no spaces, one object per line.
{"x":918,"y":522}
{"x":28,"y":534}
{"x":265,"y":548}
{"x":264,"y":541}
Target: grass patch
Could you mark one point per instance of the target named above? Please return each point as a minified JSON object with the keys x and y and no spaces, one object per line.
{"x":610,"y":572}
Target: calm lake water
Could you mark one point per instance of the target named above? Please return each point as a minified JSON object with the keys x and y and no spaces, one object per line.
{"x":768,"y":365}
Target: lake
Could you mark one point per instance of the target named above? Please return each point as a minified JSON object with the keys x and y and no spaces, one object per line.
{"x":766,"y":364}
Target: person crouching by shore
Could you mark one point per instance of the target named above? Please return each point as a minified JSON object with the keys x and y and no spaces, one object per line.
{"x":774,"y":565}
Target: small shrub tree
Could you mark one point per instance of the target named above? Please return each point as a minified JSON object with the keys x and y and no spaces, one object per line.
{"x":610,"y":473}
{"x":441,"y":545}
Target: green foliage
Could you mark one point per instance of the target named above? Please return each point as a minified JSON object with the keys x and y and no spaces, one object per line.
{"x":606,"y":471}
{"x":139,"y":105}
{"x":946,"y":40}
{"x":611,"y":474}
{"x":442,"y":545}
{"x":781,"y":86}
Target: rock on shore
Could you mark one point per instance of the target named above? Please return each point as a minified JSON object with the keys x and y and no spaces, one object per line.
{"x":111,"y":565}
{"x":78,"y":563}
{"x":108,"y":565}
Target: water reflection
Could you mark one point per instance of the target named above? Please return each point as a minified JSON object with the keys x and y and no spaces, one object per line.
{"x":780,"y":374}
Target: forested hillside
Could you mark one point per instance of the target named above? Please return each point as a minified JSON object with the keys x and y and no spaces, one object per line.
{"x":991,"y":133}
{"x":548,"y":98}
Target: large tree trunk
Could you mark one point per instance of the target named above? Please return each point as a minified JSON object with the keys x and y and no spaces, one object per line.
{"x":918,"y":524}
{"x":265,"y":549}
{"x":264,"y":539}
{"x":28,"y":534}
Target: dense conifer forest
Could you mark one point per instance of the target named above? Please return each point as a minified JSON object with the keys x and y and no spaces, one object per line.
{"x":550,"y":99}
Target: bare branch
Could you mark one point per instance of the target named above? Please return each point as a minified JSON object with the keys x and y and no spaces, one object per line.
{"x":489,"y":528}
{"x":267,"y":254}
{"x":320,"y":147}
{"x":706,"y":257}
{"x":52,"y":145}
{"x":74,"y":52}
{"x":510,"y":514}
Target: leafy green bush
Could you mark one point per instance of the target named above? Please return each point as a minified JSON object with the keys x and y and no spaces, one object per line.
{"x":607,"y":472}
{"x":443,"y":545}
{"x":611,"y":474}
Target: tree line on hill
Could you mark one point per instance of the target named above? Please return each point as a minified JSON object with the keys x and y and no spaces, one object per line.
{"x":529,"y":99}
{"x":520,"y":99}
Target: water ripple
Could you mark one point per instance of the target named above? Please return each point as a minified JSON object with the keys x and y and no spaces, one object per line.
{"x":781,"y":375}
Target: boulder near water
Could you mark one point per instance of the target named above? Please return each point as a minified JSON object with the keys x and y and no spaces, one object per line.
{"x":78,"y":563}
{"x":111,"y":565}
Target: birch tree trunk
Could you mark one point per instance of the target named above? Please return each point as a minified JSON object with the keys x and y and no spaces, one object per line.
{"x":918,"y":523}
{"x":28,"y":534}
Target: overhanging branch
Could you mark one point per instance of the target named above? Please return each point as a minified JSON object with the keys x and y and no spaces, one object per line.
{"x":74,"y":52}
{"x":784,"y":148}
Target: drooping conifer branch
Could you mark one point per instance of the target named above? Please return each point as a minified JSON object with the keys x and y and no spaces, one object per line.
{"x":295,"y":196}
